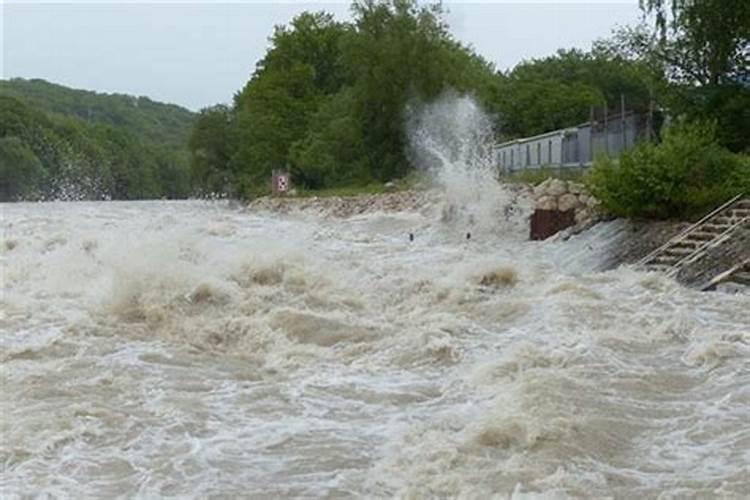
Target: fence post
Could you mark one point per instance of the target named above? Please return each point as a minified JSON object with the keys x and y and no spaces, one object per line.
{"x":606,"y":131}
{"x":591,"y":134}
{"x":623,"y":144}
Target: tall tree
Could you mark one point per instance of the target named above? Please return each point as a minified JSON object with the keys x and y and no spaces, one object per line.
{"x":557,"y":91}
{"x":702,"y":47}
{"x":273,"y":110}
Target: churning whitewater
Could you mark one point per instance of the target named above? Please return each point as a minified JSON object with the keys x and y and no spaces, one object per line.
{"x":200,"y":349}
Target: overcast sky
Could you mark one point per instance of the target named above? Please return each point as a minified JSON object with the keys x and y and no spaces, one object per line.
{"x":200,"y":53}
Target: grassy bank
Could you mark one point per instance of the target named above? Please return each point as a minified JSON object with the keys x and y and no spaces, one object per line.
{"x":539,"y":175}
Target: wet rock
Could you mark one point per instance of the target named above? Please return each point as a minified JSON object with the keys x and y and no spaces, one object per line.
{"x":556,"y":187}
{"x":541,"y":189}
{"x":567,"y":202}
{"x":546,"y":203}
{"x":592,"y":202}
{"x":576,"y":187}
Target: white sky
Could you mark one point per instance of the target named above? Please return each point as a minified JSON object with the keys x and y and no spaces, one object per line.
{"x":200,"y":53}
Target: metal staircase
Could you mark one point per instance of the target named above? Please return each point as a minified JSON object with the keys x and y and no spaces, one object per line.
{"x":692,"y":243}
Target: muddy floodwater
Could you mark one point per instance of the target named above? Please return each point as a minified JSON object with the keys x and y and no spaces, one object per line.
{"x":201,"y":350}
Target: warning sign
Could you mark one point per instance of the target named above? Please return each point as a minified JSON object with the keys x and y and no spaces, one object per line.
{"x":282,"y":183}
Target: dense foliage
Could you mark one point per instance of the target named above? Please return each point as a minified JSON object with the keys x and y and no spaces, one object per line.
{"x":558,"y":91}
{"x":155,"y":122}
{"x":686,"y":174}
{"x":60,"y":143}
{"x":329,"y":100}
{"x":700,"y":48}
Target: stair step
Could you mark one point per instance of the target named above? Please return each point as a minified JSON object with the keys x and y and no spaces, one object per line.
{"x":742,"y":277}
{"x":724,"y":220}
{"x":740,"y":212}
{"x":679,"y":251}
{"x":686,"y":243}
{"x":715,"y":227}
{"x":658,"y":267}
{"x":702,"y":235}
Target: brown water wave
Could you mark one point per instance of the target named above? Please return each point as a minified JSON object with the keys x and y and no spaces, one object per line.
{"x":195,"y":349}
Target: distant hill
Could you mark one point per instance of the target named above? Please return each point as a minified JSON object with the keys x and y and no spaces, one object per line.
{"x":62,"y":143}
{"x":154,"y":122}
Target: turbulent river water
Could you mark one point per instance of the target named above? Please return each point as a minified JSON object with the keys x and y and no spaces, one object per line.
{"x":205,"y":350}
{"x":195,"y":349}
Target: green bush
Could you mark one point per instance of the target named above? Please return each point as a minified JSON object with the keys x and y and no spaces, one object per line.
{"x":685,"y":175}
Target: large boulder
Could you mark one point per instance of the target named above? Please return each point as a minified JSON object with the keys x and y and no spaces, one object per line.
{"x":546,"y":203}
{"x":567,"y":202}
{"x":576,"y":187}
{"x":557,"y":187}
{"x":583,"y":216}
{"x":592,"y":202}
{"x":541,"y":189}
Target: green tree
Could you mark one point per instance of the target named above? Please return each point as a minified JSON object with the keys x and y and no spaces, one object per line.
{"x":332,"y":151}
{"x":702,"y":41}
{"x":700,"y":48}
{"x":20,"y":170}
{"x":402,"y":52}
{"x":273,"y":110}
{"x":558,"y":91}
{"x":212,"y":145}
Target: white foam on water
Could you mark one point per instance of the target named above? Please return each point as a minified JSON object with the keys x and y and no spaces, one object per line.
{"x":194,"y":349}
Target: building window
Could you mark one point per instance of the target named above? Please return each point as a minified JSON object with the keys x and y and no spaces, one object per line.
{"x":549,"y":152}
{"x":538,"y":153}
{"x":528,"y":155}
{"x":512,"y":156}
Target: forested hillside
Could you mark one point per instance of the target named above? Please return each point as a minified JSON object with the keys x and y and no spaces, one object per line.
{"x":156,"y":122}
{"x":62,"y":143}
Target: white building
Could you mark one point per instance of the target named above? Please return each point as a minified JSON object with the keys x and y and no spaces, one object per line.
{"x":569,"y":147}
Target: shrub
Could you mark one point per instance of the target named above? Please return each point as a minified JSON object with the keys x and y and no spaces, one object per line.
{"x":685,"y":175}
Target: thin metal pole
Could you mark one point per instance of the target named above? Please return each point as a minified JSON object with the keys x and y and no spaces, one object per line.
{"x":622,"y":122}
{"x":606,"y":131}
{"x":591,"y":134}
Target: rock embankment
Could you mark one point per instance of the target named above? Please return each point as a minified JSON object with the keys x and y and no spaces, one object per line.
{"x":563,"y":196}
{"x":347,"y":206}
{"x":562,"y":205}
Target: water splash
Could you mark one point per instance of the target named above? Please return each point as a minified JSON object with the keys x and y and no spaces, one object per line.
{"x":452,"y":139}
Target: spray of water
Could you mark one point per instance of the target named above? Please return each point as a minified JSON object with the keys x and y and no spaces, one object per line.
{"x":451,"y":139}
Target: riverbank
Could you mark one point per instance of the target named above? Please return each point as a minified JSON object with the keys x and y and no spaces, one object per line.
{"x":347,"y":206}
{"x":633,"y":240}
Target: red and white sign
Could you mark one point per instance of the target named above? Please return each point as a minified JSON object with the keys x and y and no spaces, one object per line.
{"x":282,"y":183}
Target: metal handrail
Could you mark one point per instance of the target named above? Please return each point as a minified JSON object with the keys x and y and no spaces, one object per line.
{"x":706,"y":245}
{"x":689,"y":230}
